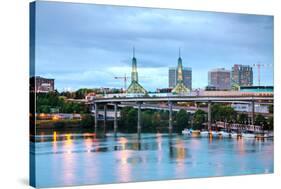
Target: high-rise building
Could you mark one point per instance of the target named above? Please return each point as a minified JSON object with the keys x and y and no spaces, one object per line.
{"x":242,"y":75}
{"x":42,"y":85}
{"x":187,"y":77}
{"x":220,"y":79}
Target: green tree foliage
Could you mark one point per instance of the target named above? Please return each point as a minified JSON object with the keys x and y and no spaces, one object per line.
{"x":151,"y":120}
{"x":81,"y":93}
{"x":131,"y":121}
{"x":147,"y":124}
{"x":46,"y":101}
{"x":266,"y":123}
{"x":270,"y":123}
{"x":198,"y":119}
{"x":260,"y":120}
{"x":87,"y":121}
{"x":242,"y":118}
{"x":223,"y":113}
{"x":270,"y":109}
{"x":181,"y":120}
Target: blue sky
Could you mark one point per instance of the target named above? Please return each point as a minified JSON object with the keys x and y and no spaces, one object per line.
{"x":87,"y":45}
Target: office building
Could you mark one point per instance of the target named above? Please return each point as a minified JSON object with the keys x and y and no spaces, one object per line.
{"x":220,"y":79}
{"x":44,"y":85}
{"x":242,"y":75}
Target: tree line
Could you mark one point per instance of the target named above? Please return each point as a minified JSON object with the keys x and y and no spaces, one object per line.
{"x":155,"y":120}
{"x":47,"y":102}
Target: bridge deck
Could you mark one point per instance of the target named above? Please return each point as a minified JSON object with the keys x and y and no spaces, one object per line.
{"x":268,"y":99}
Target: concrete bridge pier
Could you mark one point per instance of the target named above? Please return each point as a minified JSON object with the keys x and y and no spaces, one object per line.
{"x":115,"y":119}
{"x":104,"y":116}
{"x":253,"y":113}
{"x":209,"y":116}
{"x":96,"y":116}
{"x":170,"y":118}
{"x":139,"y":119}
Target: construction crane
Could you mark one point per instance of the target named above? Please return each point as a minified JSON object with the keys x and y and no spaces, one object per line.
{"x":124,"y":78}
{"x":259,"y":66}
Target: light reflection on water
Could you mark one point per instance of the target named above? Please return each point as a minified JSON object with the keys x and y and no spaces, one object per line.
{"x":77,"y":159}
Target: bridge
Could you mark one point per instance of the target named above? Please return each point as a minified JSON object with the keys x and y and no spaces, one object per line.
{"x":171,"y":100}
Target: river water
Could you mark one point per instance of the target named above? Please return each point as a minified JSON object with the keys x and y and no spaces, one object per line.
{"x":81,"y":159}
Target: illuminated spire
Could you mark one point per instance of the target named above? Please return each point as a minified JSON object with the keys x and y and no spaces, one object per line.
{"x":135,"y":87}
{"x":179,"y":69}
{"x":180,"y":87}
{"x":134,"y":74}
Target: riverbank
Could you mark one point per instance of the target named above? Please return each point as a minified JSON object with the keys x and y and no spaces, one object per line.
{"x":58,"y":124}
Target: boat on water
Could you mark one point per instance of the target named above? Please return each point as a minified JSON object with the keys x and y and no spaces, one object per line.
{"x":204,"y":133}
{"x":186,"y":131}
{"x":248,"y":135}
{"x":223,"y":134}
{"x":195,"y":133}
{"x":190,"y":132}
{"x":214,"y":133}
{"x":268,"y":135}
{"x":233,"y":135}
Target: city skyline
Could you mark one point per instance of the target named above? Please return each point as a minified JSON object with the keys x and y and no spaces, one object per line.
{"x":91,"y":54}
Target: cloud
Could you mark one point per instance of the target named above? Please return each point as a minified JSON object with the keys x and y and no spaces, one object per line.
{"x":79,"y":40}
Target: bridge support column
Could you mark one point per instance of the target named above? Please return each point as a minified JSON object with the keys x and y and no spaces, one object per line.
{"x":253,"y":113}
{"x":115,"y":119}
{"x":139,"y":118}
{"x":170,"y":117}
{"x":96,"y":116}
{"x":209,"y":116}
{"x":104,"y":116}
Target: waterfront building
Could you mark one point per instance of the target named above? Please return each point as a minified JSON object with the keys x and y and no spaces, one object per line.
{"x":44,"y":85}
{"x":180,"y":87}
{"x":259,"y":108}
{"x":187,"y":77}
{"x":241,"y":75}
{"x":135,"y":87}
{"x":220,"y":79}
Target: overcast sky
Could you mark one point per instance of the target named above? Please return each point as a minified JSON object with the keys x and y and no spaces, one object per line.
{"x":87,"y":45}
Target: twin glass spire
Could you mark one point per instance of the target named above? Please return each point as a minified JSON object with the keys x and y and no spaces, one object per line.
{"x":135,"y":87}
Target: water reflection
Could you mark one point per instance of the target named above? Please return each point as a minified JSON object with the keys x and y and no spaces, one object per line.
{"x":84,"y":158}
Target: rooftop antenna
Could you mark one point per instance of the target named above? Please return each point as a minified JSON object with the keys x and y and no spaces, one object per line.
{"x":179,"y":52}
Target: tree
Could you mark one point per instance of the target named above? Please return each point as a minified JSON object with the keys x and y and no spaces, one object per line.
{"x":156,"y":119}
{"x":270,"y":108}
{"x":223,"y":113}
{"x":181,"y":120}
{"x":198,"y":119}
{"x":242,"y":118}
{"x":147,"y":125}
{"x":44,"y":103}
{"x":123,"y":118}
{"x":131,"y":122}
{"x":87,"y":121}
{"x":81,"y":93}
{"x":270,"y":123}
{"x":260,"y":120}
